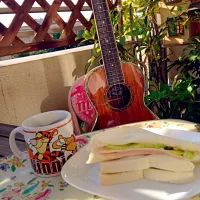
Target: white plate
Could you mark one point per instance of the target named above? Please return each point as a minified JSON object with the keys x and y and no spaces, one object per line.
{"x":85,"y":177}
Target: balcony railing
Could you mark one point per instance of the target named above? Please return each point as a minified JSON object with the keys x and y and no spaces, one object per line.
{"x":12,"y":43}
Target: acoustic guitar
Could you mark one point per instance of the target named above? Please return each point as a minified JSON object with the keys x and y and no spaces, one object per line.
{"x":115,"y":89}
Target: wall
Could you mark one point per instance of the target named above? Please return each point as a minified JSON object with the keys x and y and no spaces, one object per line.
{"x":175,"y":44}
{"x":38,"y":83}
{"x":165,"y":12}
{"x":174,"y":52}
{"x":5,"y":58}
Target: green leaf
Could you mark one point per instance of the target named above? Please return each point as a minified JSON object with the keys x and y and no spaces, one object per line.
{"x":160,"y":114}
{"x":122,"y":28}
{"x":77,"y":38}
{"x":122,"y":40}
{"x":93,"y":22}
{"x":164,"y":87}
{"x":172,"y":9}
{"x":190,"y":88}
{"x":140,"y":48}
{"x":146,"y":20}
{"x":173,"y":98}
{"x":2,"y":190}
{"x":87,"y":35}
{"x":98,"y":50}
{"x":13,"y":168}
{"x":160,"y":37}
{"x":157,"y":47}
{"x":192,"y":57}
{"x":158,"y":57}
{"x":155,"y":95}
{"x":30,"y":189}
{"x":50,"y":185}
{"x":179,"y":8}
{"x":31,"y":181}
{"x":185,"y":22}
{"x":194,"y":40}
{"x":135,"y":32}
{"x":80,"y":33}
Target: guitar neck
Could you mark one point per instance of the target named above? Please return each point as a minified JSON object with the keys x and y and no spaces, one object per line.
{"x":107,"y":43}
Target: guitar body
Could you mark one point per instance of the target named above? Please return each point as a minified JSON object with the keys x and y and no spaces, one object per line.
{"x":115,"y":89}
{"x":121,"y":103}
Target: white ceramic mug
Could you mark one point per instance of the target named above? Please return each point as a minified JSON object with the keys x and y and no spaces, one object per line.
{"x":50,"y":141}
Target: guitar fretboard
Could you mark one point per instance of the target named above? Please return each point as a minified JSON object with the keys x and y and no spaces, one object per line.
{"x":107,"y":42}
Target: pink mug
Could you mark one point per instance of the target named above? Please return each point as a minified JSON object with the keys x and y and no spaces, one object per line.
{"x":50,"y":141}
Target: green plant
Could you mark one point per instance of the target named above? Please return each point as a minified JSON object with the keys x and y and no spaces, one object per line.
{"x":30,"y":53}
{"x":180,"y":100}
{"x":189,"y":63}
{"x":176,"y":101}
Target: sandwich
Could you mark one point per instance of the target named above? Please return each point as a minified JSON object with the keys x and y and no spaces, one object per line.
{"x":153,"y":167}
{"x":131,"y":141}
{"x":129,"y":154}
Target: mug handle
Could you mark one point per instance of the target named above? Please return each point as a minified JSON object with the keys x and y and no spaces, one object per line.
{"x":13,"y":144}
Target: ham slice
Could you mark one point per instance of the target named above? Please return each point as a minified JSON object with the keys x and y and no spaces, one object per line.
{"x":138,"y":151}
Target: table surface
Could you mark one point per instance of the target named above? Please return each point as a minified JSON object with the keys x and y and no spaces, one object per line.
{"x":17,"y":181}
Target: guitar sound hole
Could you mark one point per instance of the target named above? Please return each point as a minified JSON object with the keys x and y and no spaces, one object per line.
{"x":118,"y":96}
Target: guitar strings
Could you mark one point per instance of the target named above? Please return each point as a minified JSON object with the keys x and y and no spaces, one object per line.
{"x":118,"y":87}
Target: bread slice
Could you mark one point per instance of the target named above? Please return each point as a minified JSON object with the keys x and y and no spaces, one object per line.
{"x":118,"y":178}
{"x":131,"y":163}
{"x":169,"y":177}
{"x":93,"y":158}
{"x":170,"y":163}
